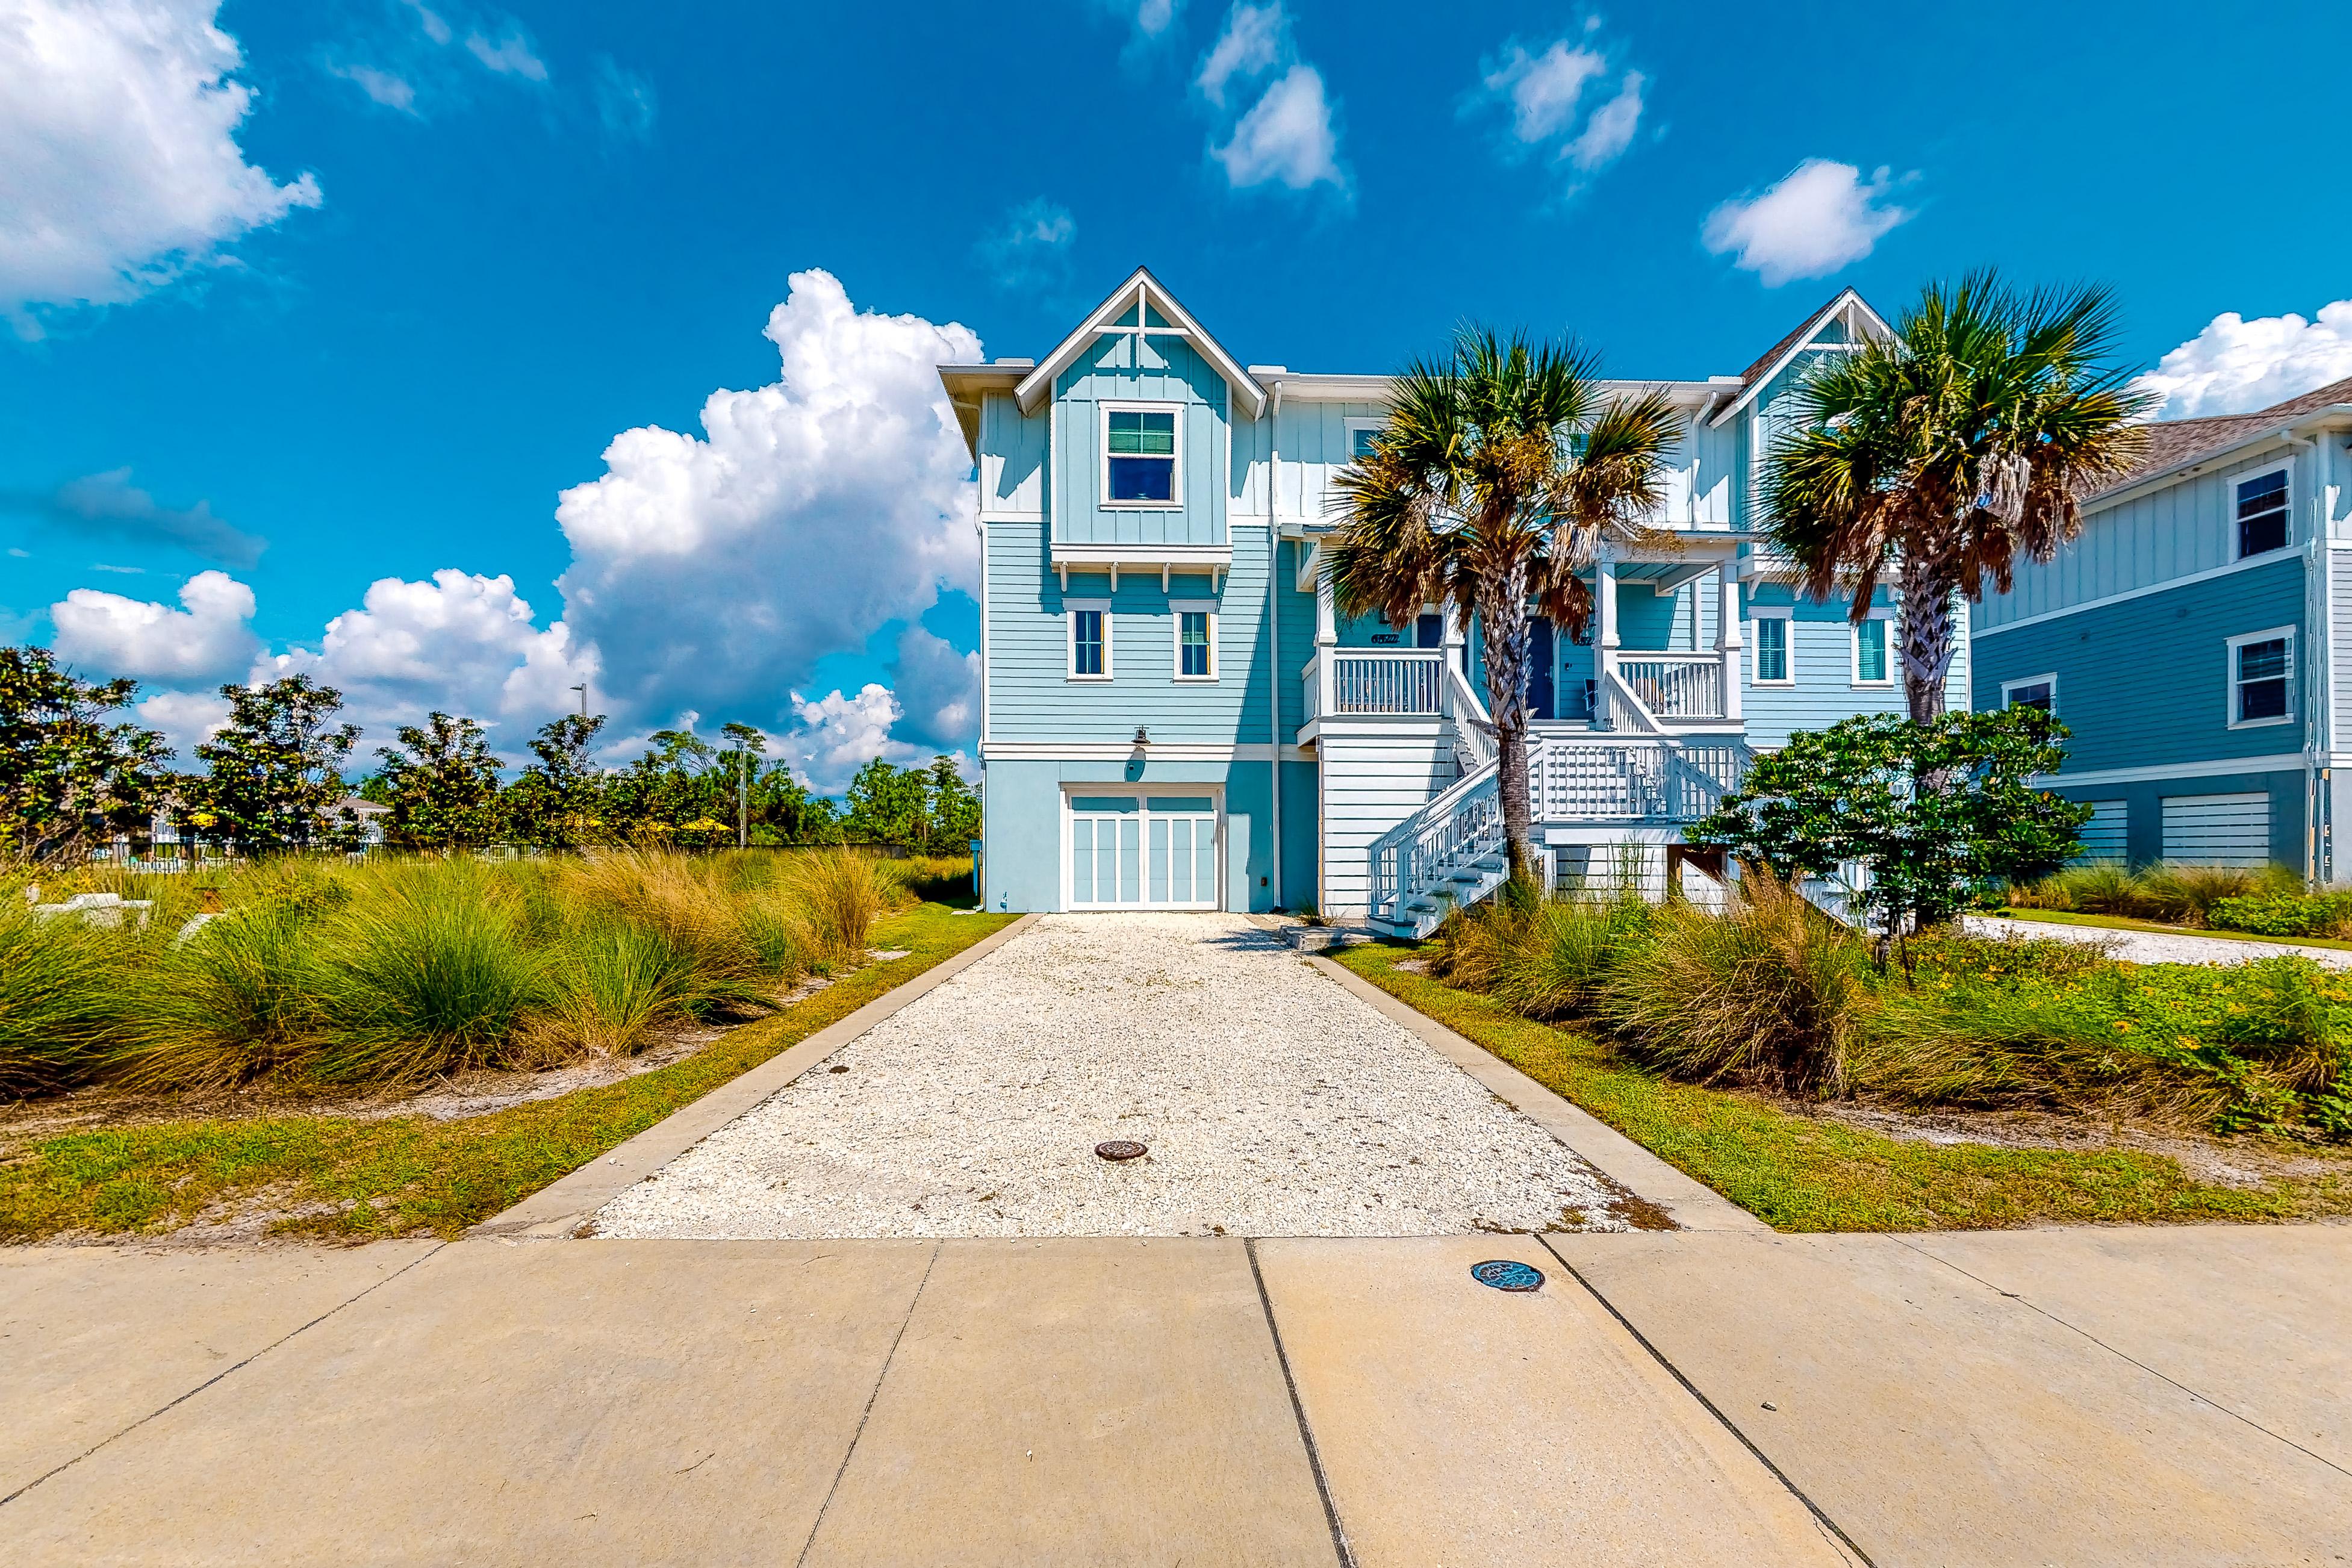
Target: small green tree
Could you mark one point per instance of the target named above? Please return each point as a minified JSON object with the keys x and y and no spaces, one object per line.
{"x":273,"y":782}
{"x":886,"y":804}
{"x":441,"y":785}
{"x":954,"y":808}
{"x":68,"y":778}
{"x":1939,"y":814}
{"x":557,"y":801}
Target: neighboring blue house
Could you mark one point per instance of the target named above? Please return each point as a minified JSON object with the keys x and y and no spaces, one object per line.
{"x":2188,"y":640}
{"x":1175,"y":717}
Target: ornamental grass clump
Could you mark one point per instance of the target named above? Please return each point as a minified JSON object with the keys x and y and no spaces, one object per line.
{"x":2171,"y":891}
{"x":60,"y":984}
{"x":1543,"y":958}
{"x":238,"y":1001}
{"x":1769,"y":994}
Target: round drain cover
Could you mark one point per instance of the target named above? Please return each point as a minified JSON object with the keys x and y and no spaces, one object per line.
{"x":1120,"y":1149}
{"x":1507,"y":1274}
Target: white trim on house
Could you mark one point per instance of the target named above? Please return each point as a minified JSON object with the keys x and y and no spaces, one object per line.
{"x":1847,"y":299}
{"x":2278,"y":762}
{"x":1358,"y":424}
{"x":1127,"y":751}
{"x":1104,"y":409}
{"x":2251,"y":564}
{"x":1757,"y":615}
{"x":1884,"y":617}
{"x":2268,"y":633}
{"x":1071,"y":610}
{"x":1139,"y":290}
{"x":2050,"y":680}
{"x":1177,"y":610}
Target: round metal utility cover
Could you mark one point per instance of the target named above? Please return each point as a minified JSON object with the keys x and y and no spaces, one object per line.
{"x":1120,"y":1149}
{"x":1507,"y":1274}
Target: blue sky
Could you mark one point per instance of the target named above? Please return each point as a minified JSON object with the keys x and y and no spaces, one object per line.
{"x":276,"y":367}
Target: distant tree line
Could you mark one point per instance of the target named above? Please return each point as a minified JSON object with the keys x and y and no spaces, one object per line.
{"x":74,"y":776}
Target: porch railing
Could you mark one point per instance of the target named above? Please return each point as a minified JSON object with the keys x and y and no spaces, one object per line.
{"x":1676,"y":685}
{"x":1400,"y":683}
{"x":1574,"y":779}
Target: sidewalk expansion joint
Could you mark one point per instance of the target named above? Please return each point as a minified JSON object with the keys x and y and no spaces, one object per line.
{"x":1821,"y":1515}
{"x":866,"y":1414}
{"x":216,"y":1377}
{"x":2207,"y":1400}
{"x":1297,"y":1408}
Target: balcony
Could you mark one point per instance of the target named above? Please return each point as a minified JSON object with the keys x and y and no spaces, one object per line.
{"x":1404,"y":683}
{"x":1675,"y":685}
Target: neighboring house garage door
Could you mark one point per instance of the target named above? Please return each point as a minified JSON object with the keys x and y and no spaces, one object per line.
{"x":2218,"y":829}
{"x":1143,"y":852}
{"x":2102,"y":835}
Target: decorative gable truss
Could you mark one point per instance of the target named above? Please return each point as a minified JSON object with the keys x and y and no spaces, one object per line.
{"x":1141,"y":308}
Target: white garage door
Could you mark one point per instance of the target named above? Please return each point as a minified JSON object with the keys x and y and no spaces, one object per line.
{"x":2218,"y":829}
{"x":1143,"y":852}
{"x":2102,"y":835}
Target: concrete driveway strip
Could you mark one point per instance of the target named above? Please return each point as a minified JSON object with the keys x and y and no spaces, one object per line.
{"x":1095,"y":1400}
{"x":1940,"y":1422}
{"x":1463,"y":1425}
{"x":94,"y":1340}
{"x":522,"y":1402}
{"x":2255,"y":1318}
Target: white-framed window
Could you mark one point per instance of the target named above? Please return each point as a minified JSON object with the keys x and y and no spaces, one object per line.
{"x":1768,"y":634}
{"x":2262,"y":519}
{"x":2033,"y":691}
{"x":1362,"y":434}
{"x":1090,"y":631}
{"x":1140,"y":446}
{"x":1196,"y":638}
{"x":1874,"y":650}
{"x":2262,"y":678}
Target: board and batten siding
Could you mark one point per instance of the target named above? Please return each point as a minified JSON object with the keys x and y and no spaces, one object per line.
{"x":1030,"y":698}
{"x":1126,"y":368}
{"x":2150,"y":539}
{"x":1011,"y":456}
{"x":2145,"y":682}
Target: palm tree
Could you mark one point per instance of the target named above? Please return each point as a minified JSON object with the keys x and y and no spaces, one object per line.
{"x":1498,"y":475}
{"x":1945,"y":452}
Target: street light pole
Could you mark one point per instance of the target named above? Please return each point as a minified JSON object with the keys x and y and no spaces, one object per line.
{"x":743,"y":798}
{"x":582,"y":689}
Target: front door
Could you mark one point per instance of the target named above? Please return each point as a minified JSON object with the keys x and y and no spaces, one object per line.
{"x":1143,"y":852}
{"x":1539,"y":669}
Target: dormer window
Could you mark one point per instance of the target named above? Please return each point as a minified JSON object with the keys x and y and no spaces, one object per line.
{"x":2261,"y":514}
{"x":1139,"y":455}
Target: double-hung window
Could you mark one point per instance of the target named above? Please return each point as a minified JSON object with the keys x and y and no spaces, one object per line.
{"x":1139,"y":455}
{"x":2261,"y":678}
{"x":1771,"y":649}
{"x":1869,"y":652}
{"x":1196,"y":642}
{"x":2035,"y":692}
{"x":1090,"y":640}
{"x":2262,"y":514}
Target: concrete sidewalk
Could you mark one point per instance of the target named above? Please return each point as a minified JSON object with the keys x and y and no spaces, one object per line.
{"x":2083,"y":1397}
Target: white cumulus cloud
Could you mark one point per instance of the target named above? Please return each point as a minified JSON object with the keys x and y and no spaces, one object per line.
{"x":1815,"y":219}
{"x":208,"y":638}
{"x":2235,"y":365}
{"x":1548,"y":95}
{"x":938,"y":689}
{"x":120,"y":168}
{"x":1542,"y":90}
{"x":1610,"y":130}
{"x":713,"y":571}
{"x":1287,"y":136}
{"x":187,"y":720}
{"x":837,"y":734}
{"x":387,"y":88}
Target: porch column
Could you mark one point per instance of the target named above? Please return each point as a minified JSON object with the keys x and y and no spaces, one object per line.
{"x":1727,"y":639}
{"x":1604,"y":645}
{"x":1457,"y":647}
{"x":1326,"y":636}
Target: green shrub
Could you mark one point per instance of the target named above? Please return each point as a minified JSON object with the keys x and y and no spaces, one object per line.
{"x":1768,"y":993}
{"x":2284,"y":914}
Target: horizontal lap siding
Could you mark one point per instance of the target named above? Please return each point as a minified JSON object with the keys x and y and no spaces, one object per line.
{"x":1032,"y":699}
{"x":2231,"y":829}
{"x":2144,"y":683}
{"x":1821,"y":657}
{"x":1370,"y":782}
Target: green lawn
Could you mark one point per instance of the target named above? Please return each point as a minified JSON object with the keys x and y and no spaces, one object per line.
{"x":412,"y":1174}
{"x":2126,"y":922}
{"x":1806,"y":1174}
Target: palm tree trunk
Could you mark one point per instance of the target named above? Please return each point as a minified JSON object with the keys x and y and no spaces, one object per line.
{"x":1925,"y":631}
{"x":1504,"y":633}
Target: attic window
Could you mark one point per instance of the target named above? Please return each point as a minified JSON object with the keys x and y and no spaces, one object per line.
{"x":1139,"y":455}
{"x":2261,"y":514}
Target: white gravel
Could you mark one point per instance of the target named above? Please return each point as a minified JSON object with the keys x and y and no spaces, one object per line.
{"x":1274,"y":1103}
{"x":2157,"y":946}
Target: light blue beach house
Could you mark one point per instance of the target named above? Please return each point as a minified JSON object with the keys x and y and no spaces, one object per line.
{"x":2189,"y":638}
{"x":1173,"y":716}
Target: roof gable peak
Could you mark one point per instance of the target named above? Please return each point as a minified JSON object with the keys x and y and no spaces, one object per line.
{"x":1141,"y":305}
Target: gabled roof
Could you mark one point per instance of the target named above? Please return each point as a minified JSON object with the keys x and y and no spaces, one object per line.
{"x":2179,"y":442}
{"x":1141,"y":289}
{"x":1860,"y":318}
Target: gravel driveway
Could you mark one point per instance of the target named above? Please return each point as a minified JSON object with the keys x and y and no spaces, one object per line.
{"x":1274,"y":1103}
{"x":2156,"y":946}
